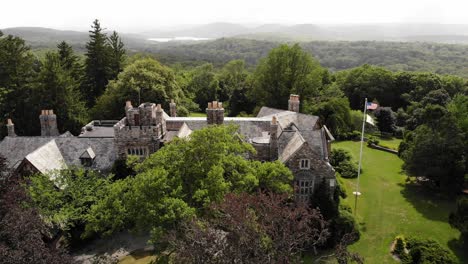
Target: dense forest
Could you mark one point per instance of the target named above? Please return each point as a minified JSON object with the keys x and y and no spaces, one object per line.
{"x":334,"y":55}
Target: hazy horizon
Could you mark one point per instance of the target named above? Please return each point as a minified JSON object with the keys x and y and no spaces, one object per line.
{"x":142,"y":15}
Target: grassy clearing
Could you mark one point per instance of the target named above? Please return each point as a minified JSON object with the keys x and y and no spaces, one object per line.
{"x":388,"y":207}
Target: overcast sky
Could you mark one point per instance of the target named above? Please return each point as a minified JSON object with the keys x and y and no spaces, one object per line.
{"x":140,"y":15}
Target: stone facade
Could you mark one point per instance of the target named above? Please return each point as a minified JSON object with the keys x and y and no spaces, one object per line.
{"x":140,"y":131}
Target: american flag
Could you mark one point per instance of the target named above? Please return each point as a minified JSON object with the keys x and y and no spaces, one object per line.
{"x":371,"y":106}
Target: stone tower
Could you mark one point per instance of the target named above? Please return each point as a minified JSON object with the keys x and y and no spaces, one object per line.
{"x":48,"y":123}
{"x":293,"y":103}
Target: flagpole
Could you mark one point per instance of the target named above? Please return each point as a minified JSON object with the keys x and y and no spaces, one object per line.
{"x":357,"y":193}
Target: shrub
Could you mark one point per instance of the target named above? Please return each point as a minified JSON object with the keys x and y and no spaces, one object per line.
{"x":347,"y":169}
{"x":343,"y":224}
{"x":339,"y":155}
{"x":399,"y":248}
{"x":372,"y":140}
{"x":422,"y":251}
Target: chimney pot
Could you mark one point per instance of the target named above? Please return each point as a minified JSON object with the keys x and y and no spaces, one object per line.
{"x":273,"y":120}
{"x":51,"y":112}
{"x":9,"y":122}
{"x":158,"y":107}
{"x":210,"y":105}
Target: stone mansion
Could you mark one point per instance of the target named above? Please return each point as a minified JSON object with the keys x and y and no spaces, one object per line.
{"x":298,"y":140}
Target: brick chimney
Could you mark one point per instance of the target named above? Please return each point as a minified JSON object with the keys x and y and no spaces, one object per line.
{"x":48,"y":123}
{"x":274,"y":139}
{"x":11,"y":128}
{"x":293,"y":103}
{"x":215,"y":113}
{"x":173,"y":109}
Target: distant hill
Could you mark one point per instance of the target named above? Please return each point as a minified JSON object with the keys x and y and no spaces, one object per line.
{"x":307,"y":32}
{"x":410,"y":53}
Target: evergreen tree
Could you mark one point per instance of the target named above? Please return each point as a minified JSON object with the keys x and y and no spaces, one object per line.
{"x":56,"y":89}
{"x":17,"y":70}
{"x":117,"y":55}
{"x":69,"y":60}
{"x":97,"y":67}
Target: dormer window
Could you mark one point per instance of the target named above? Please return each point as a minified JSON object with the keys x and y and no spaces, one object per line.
{"x":87,"y":158}
{"x":304,"y":164}
{"x":138,"y":151}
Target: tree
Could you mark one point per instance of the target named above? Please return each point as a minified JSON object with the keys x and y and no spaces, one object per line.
{"x":386,"y":119}
{"x":335,"y":114}
{"x":97,"y":64}
{"x":204,"y":86}
{"x":56,"y":88}
{"x":286,"y":70}
{"x":24,"y":236}
{"x":65,"y":197}
{"x":435,"y":150}
{"x":145,"y":80}
{"x":183,"y":179}
{"x":17,"y":70}
{"x":251,"y":229}
{"x":70,"y":62}
{"x":117,"y":55}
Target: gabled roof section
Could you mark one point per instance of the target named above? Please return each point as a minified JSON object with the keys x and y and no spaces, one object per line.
{"x":289,"y":143}
{"x":47,"y":158}
{"x":88,"y":154}
{"x":14,"y":149}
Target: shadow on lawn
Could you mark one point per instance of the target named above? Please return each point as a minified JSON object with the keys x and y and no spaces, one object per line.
{"x":431,"y":204}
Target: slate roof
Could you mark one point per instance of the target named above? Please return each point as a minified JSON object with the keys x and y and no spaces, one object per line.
{"x":46,"y":153}
{"x":289,"y":143}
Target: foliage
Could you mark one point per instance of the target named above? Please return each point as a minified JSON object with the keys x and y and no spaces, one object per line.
{"x":117,"y":55}
{"x":341,"y":160}
{"x":335,"y":114}
{"x":343,"y":224}
{"x":184,"y":178}
{"x":144,"y":80}
{"x":204,"y":86}
{"x":422,"y":251}
{"x":435,"y":150}
{"x":251,"y":229}
{"x":22,"y":231}
{"x":17,"y":70}
{"x":97,"y":64}
{"x":385,"y":119}
{"x":64,"y":197}
{"x":56,"y":88}
{"x":286,"y":70}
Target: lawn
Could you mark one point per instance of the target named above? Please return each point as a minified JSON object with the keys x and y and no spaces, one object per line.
{"x":388,"y":207}
{"x":391,"y":143}
{"x":197,"y":114}
{"x":138,"y":257}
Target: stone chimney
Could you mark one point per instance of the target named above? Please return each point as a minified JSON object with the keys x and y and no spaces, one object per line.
{"x":160,"y":118}
{"x":293,"y":103}
{"x":220,"y":114}
{"x":215,"y":113}
{"x":173,"y":109}
{"x":274,"y":139}
{"x":48,"y":123}
{"x":128,"y":105}
{"x":11,"y":128}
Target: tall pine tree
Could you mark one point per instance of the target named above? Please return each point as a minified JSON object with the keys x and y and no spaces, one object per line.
{"x":97,"y":63}
{"x":69,"y":61}
{"x":117,"y":55}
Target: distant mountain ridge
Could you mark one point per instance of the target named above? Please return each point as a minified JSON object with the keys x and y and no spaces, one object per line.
{"x":274,"y":32}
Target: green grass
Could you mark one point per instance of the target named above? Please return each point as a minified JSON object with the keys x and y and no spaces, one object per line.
{"x":392,"y":143}
{"x":388,"y":207}
{"x":196,"y":114}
